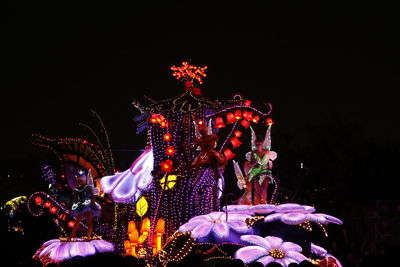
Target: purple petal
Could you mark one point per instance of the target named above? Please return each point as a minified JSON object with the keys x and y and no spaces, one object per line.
{"x":238,"y":226}
{"x":309,"y":209}
{"x":264,"y":208}
{"x":272,"y":217}
{"x":48,"y":249}
{"x":289,"y":246}
{"x":216,"y":216}
{"x":237,"y":217}
{"x":250,"y":253}
{"x":189,"y":226}
{"x":102,"y":246}
{"x":275,"y":242}
{"x":202,"y":230}
{"x":294,"y":218}
{"x":317,"y":217}
{"x":266,"y":260}
{"x":45,"y":244}
{"x":317,"y":250}
{"x":332,"y":219}
{"x":290,"y":207}
{"x":203,"y":218}
{"x":298,"y":257}
{"x":221,"y":229}
{"x":282,"y":262}
{"x":257,"y":240}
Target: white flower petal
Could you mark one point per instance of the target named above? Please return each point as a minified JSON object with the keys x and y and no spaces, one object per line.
{"x":221,"y":229}
{"x":189,"y":226}
{"x":216,"y":216}
{"x":289,"y":246}
{"x":202,"y":230}
{"x":250,"y":253}
{"x":238,"y":226}
{"x":317,"y":217}
{"x":298,"y":257}
{"x":266,"y":260}
{"x":294,"y":218}
{"x":257,"y":240}
{"x":272,"y":217}
{"x":275,"y":242}
{"x":332,"y":219}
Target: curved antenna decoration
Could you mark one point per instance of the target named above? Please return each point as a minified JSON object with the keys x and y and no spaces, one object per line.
{"x":110,"y":157}
{"x":253,"y":139}
{"x":267,"y":139}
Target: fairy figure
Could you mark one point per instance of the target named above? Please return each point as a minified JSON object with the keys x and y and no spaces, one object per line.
{"x":206,"y":140}
{"x":257,"y":169}
{"x":84,"y":205}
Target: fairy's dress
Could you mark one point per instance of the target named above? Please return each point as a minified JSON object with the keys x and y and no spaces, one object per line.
{"x":83,"y":201}
{"x":261,"y":171}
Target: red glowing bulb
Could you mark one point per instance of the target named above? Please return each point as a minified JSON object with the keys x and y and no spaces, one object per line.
{"x":71,"y":224}
{"x":167,"y":137}
{"x":247,"y":115}
{"x":154,"y":118}
{"x":170,"y":150}
{"x":166,"y":166}
{"x":47,"y":204}
{"x":164,"y":124}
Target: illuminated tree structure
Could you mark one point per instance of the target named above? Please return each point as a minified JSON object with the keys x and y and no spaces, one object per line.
{"x":175,"y":174}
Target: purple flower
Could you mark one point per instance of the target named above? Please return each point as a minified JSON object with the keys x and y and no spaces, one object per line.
{"x":269,"y":249}
{"x":58,"y":251}
{"x":215,"y":222}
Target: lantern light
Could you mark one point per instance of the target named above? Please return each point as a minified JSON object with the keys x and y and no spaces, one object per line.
{"x":245,"y":123}
{"x":247,"y":115}
{"x":230,"y":117}
{"x":247,"y":103}
{"x":229,"y":154}
{"x":270,"y":122}
{"x":238,"y":114}
{"x":237,"y":133}
{"x":256,"y":119}
{"x":53,"y":210}
{"x":71,"y":224}
{"x":38,"y":200}
{"x":167,"y":137}
{"x":219,"y":122}
{"x":47,"y":204}
{"x":235,"y":142}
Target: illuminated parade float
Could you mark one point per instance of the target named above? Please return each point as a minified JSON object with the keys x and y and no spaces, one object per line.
{"x":169,"y":204}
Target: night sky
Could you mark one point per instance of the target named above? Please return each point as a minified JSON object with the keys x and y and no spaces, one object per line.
{"x":61,"y":59}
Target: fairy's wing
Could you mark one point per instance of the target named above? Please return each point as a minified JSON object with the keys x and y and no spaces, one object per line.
{"x":239,"y":175}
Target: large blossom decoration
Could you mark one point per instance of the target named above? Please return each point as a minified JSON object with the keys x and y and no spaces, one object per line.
{"x":269,"y":249}
{"x":215,"y":223}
